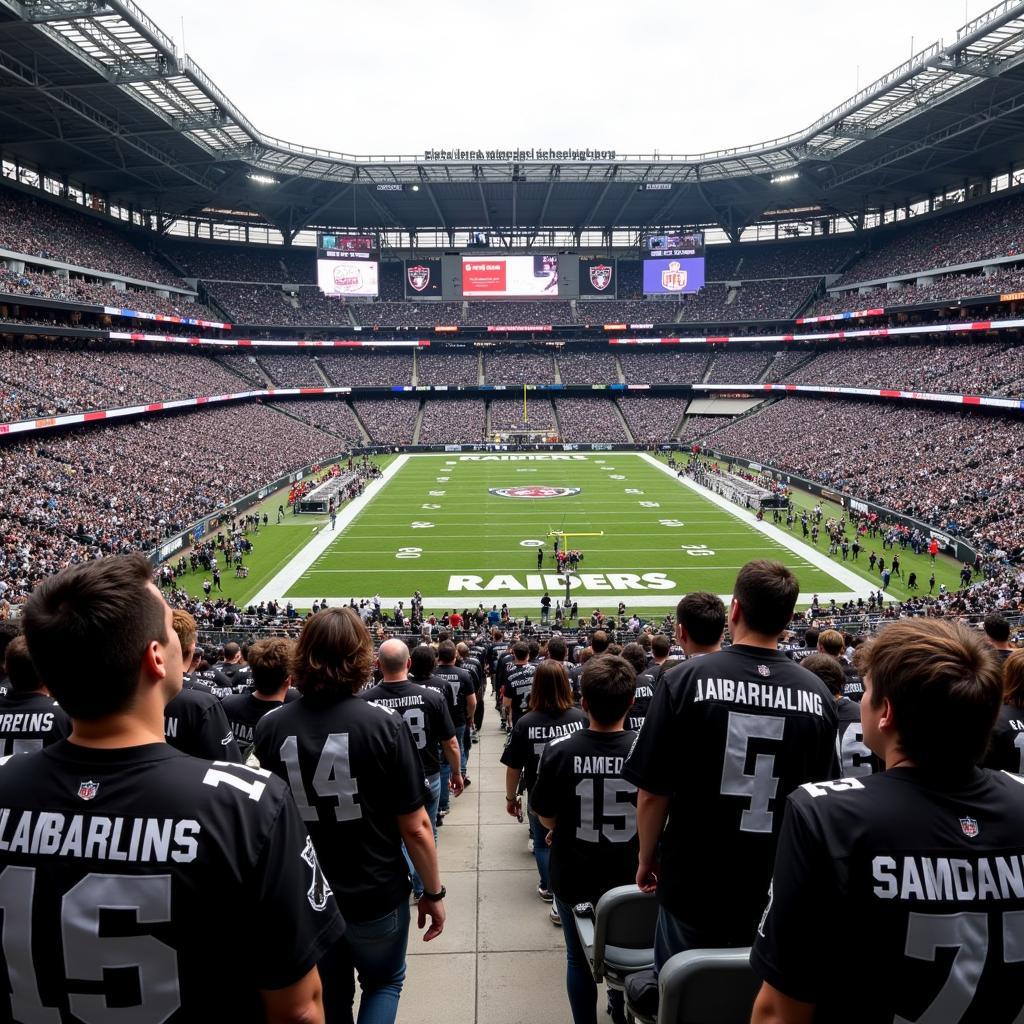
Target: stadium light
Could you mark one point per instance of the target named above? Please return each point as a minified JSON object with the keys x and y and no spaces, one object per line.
{"x":415,"y":188}
{"x":781,"y":178}
{"x":262,"y":179}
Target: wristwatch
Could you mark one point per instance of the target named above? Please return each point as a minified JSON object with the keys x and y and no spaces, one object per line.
{"x":435,"y":896}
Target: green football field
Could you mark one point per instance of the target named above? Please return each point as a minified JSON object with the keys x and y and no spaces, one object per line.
{"x":441,"y":524}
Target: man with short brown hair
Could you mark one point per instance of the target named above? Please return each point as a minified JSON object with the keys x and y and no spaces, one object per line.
{"x":270,"y":662}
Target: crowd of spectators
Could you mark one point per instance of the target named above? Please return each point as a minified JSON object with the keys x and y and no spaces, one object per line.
{"x":738,"y":366}
{"x":213,"y":261}
{"x":786,"y":361}
{"x":119,"y":487}
{"x":590,"y":419}
{"x":448,"y":366}
{"x":45,"y":230}
{"x":663,"y":365}
{"x":271,"y":304}
{"x":44,"y":284}
{"x":699,"y":426}
{"x":367,"y":367}
{"x":795,"y":258}
{"x":332,"y":415}
{"x":507,"y":414}
{"x":652,"y":420}
{"x":496,"y":314}
{"x":291,"y":369}
{"x":626,"y":311}
{"x":388,"y":420}
{"x":587,"y":366}
{"x":977,"y":232}
{"x":407,"y":314}
{"x":452,"y":421}
{"x":960,"y":367}
{"x":57,"y":379}
{"x":519,"y":366}
{"x":957,"y":470}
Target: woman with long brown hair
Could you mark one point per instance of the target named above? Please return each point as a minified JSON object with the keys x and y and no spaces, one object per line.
{"x":551,"y":714}
{"x":358,"y":782}
{"x":1006,"y":749}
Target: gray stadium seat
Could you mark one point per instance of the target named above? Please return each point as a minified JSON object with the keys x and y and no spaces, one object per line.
{"x":704,"y":986}
{"x":620,"y":938}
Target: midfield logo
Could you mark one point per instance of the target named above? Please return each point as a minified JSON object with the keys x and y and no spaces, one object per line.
{"x":419,"y":277}
{"x":534,"y":492}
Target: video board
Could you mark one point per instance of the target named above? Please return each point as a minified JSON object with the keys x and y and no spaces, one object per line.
{"x":422,"y":279}
{"x":597,"y":276}
{"x":347,"y":264}
{"x":673,"y":264}
{"x":495,"y":277}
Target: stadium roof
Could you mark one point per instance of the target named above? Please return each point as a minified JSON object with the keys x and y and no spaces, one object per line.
{"x":93,"y":90}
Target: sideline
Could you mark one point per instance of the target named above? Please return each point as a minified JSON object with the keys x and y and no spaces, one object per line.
{"x":279,"y":584}
{"x":857,"y":583}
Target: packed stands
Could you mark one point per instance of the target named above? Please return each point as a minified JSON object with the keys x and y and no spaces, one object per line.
{"x":507,"y":414}
{"x":959,"y":471}
{"x":452,"y":421}
{"x":663,"y":366}
{"x":985,"y":231}
{"x":583,"y":366}
{"x":407,"y":314}
{"x":448,"y":366}
{"x":519,"y":366}
{"x":246,"y":367}
{"x":120,"y":487}
{"x":785,"y":362}
{"x":366,"y":367}
{"x":388,"y":421}
{"x":258,"y":263}
{"x":795,"y":258}
{"x":589,"y":419}
{"x":291,"y":369}
{"x":48,"y":231}
{"x":269,"y":304}
{"x":652,"y":420}
{"x":331,"y":415}
{"x":627,"y":311}
{"x":494,"y":313}
{"x":698,"y":427}
{"x":64,"y":380}
{"x":738,"y":367}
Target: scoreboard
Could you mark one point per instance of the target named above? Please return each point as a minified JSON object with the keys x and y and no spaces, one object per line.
{"x":347,"y":264}
{"x":673,"y":264}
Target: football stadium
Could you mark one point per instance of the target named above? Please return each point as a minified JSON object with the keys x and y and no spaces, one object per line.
{"x":501,"y":583}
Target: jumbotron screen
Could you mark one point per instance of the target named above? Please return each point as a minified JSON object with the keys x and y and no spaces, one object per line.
{"x":347,"y":264}
{"x":673,"y":264}
{"x":496,"y":277}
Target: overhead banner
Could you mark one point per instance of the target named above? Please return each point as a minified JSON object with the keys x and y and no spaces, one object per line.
{"x":597,"y":277}
{"x":423,"y":279}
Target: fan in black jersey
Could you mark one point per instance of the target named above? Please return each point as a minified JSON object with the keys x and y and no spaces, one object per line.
{"x":185,"y":626}
{"x":358,"y":781}
{"x":469,"y":659}
{"x":551,"y":714}
{"x":518,"y":682}
{"x":425,"y":712}
{"x":581,"y":796}
{"x":8,"y":631}
{"x":232,"y":674}
{"x":464,"y":689}
{"x":831,"y":642}
{"x":1006,"y":749}
{"x":728,"y":735}
{"x":918,"y":868}
{"x":270,"y":665}
{"x":855,"y":759}
{"x":422,"y":664}
{"x":122,"y":857}
{"x":195,"y":723}
{"x":997,"y":631}
{"x":30,"y":718}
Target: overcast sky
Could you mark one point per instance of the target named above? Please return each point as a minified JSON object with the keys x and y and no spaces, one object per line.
{"x":676,"y":76}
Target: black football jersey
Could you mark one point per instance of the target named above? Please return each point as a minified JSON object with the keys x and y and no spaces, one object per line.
{"x":353,"y":769}
{"x":855,"y":759}
{"x":580,"y":785}
{"x":243,"y":712}
{"x":1006,"y":748}
{"x":461,"y":684}
{"x":195,"y":723}
{"x":925,"y":880}
{"x":642,"y":696}
{"x":118,"y":868}
{"x":30,"y":721}
{"x":532,"y":733}
{"x":424,"y":710}
{"x":518,"y":686}
{"x":727,"y":737}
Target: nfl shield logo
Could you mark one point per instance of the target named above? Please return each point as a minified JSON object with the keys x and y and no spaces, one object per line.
{"x":673,"y":279}
{"x":763,"y":670}
{"x":969,"y":827}
{"x":87,"y":790}
{"x":600,"y":276}
{"x":419,"y":277}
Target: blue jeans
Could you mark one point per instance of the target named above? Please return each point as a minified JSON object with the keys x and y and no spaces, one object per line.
{"x":541,"y":850}
{"x":445,"y":777}
{"x":579,"y":979}
{"x":465,"y":746}
{"x":434,"y":782}
{"x":376,"y":951}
